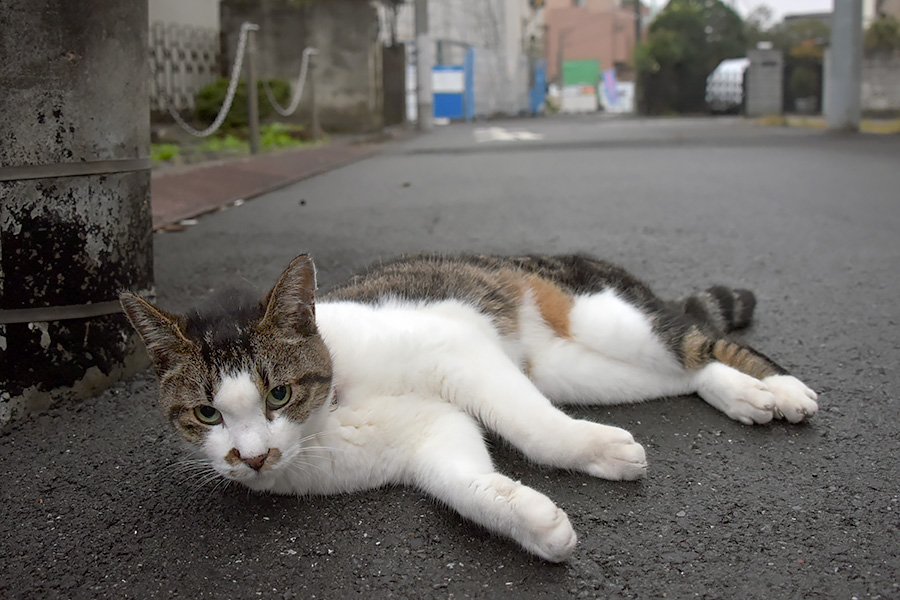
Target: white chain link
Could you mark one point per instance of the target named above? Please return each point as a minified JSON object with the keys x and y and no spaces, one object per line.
{"x":229,"y":95}
{"x":298,"y":88}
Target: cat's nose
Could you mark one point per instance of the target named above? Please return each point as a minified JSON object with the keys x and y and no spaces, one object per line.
{"x":256,"y":462}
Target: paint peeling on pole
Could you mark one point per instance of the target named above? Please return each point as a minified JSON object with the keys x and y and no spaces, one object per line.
{"x":75,"y":224}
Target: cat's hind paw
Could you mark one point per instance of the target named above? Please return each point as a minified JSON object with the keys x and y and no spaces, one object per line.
{"x":613,"y":454}
{"x":794,"y":401}
{"x":740,"y":396}
{"x":547,"y":531}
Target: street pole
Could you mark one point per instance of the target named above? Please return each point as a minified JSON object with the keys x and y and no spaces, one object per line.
{"x":637,"y":22}
{"x":315,"y":128}
{"x":843,"y":65}
{"x":423,"y":68}
{"x":252,"y":92}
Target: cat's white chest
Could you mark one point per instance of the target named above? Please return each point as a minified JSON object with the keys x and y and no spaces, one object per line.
{"x":400,"y":349}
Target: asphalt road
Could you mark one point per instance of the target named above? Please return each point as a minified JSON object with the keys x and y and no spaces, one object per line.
{"x":95,"y":504}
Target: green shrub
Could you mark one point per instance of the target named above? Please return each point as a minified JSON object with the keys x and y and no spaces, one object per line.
{"x":883,"y":35}
{"x":164,"y":152}
{"x":276,"y":135}
{"x":804,"y":82}
{"x":210,"y":98}
{"x":227,"y":143}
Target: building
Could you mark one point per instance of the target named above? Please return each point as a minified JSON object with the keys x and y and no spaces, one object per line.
{"x":601,"y":30}
{"x":506,"y":36}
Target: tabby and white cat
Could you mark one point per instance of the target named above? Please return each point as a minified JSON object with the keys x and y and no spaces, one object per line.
{"x":389,"y":378}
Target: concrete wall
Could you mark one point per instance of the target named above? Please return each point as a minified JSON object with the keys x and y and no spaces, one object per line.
{"x":75,"y":224}
{"x":348,"y":66}
{"x":764,"y":90}
{"x":499,"y":30}
{"x":881,"y":83}
{"x":194,"y":13}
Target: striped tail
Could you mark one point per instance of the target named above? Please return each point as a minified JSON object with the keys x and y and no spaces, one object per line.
{"x":720,"y":307}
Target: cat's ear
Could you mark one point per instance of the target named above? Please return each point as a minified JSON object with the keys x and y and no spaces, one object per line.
{"x":292,"y":302}
{"x":160,"y":331}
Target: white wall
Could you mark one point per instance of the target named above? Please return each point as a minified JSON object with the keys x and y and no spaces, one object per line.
{"x":498,"y":30}
{"x":196,"y":13}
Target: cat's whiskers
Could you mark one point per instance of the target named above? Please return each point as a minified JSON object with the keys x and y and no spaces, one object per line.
{"x":205,"y":481}
{"x":302,"y":467}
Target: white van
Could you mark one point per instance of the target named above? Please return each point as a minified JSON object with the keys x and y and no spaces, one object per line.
{"x":725,"y":85}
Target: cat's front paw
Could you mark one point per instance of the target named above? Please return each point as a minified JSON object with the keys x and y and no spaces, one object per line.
{"x":794,"y":401}
{"x":612,"y":453}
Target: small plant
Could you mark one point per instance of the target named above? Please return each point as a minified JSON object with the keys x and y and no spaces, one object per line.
{"x":164,"y":152}
{"x":230,"y":144}
{"x":275,"y":136}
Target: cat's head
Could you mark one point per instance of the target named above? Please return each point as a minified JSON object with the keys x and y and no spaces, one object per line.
{"x":239,"y":377}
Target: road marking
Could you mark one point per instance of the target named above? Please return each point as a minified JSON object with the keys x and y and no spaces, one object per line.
{"x":499,"y":134}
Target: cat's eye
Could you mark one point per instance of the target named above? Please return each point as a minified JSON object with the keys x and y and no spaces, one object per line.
{"x":208,"y":415}
{"x":278,"y":396}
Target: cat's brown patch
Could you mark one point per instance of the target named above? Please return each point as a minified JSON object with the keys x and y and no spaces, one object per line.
{"x":273,"y":458}
{"x":553,"y":303}
{"x":743,"y":359}
{"x":695,"y":348}
{"x":233,"y":457}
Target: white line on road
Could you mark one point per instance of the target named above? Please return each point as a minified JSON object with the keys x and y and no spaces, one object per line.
{"x":499,"y":134}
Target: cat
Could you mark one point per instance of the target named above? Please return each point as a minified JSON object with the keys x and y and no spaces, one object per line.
{"x":389,"y":378}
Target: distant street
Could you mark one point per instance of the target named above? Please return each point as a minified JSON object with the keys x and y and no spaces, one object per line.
{"x":96,"y":506}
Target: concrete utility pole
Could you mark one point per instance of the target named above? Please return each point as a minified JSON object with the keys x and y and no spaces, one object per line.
{"x":843,"y":67}
{"x":75,"y":221}
{"x":637,"y":22}
{"x":252,"y":92}
{"x":314,"y":126}
{"x":424,"y":64}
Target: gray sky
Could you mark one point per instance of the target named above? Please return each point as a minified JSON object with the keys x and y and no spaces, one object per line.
{"x":783,"y":7}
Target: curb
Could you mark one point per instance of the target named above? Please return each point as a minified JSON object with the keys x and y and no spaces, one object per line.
{"x":207,"y":188}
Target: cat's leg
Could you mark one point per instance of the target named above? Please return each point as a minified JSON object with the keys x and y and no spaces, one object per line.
{"x":609,"y":353}
{"x":742,"y":382}
{"x":450,"y":462}
{"x":487,"y":384}
{"x":750,"y":387}
{"x":616,"y":353}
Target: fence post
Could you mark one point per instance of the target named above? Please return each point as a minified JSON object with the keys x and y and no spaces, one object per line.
{"x":316,"y":129}
{"x":252,"y":92}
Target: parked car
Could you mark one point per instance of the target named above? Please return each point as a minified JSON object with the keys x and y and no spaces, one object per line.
{"x":725,"y":86}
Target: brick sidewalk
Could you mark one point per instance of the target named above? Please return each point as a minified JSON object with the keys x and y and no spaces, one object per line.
{"x":188,"y":193}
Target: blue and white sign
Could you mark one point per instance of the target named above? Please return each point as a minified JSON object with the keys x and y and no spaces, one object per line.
{"x":449,"y":86}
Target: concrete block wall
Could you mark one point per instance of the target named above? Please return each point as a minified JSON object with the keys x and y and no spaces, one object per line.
{"x":764,"y":88}
{"x":881,"y":83}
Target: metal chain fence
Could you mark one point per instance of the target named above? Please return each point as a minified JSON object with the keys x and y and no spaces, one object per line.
{"x":171,"y":105}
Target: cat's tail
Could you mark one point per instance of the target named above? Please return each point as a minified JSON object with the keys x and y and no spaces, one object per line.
{"x":723,"y":308}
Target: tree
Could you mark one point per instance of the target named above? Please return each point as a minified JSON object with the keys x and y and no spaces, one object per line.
{"x":799,"y":37}
{"x":685,"y":42}
{"x":758,"y":24}
{"x":883,"y":35}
